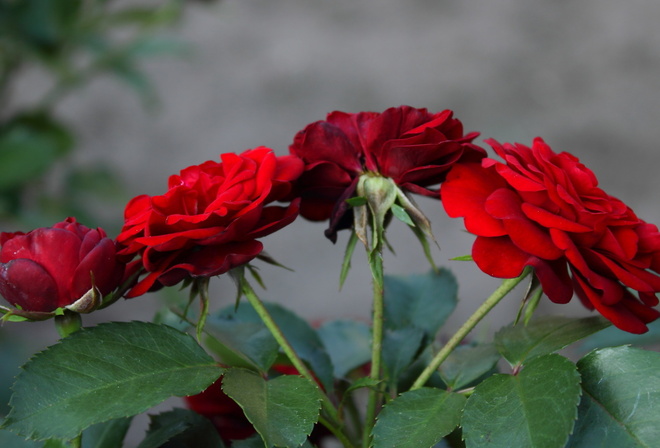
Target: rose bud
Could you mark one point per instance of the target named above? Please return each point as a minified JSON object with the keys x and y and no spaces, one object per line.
{"x":53,"y":267}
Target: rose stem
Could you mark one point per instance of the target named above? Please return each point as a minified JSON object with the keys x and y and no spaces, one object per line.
{"x":376,"y":265}
{"x":66,"y":324}
{"x":497,"y":295}
{"x":334,"y":425}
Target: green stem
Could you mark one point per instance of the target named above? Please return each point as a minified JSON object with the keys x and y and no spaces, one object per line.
{"x":506,"y":286}
{"x":68,"y":323}
{"x":375,"y":393}
{"x":333,"y":424}
{"x":204,"y":306}
{"x":77,"y":442}
{"x":336,"y":432}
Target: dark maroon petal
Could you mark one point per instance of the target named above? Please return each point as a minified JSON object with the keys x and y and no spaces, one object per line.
{"x":102,"y":262}
{"x":555,"y":279}
{"x":26,"y":284}
{"x":321,"y":141}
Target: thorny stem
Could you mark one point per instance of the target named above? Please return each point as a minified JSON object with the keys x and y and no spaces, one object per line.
{"x":505,"y":287}
{"x":375,"y":393}
{"x":333,"y":423}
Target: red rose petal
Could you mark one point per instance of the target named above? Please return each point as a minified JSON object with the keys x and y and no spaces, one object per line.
{"x":499,"y":257}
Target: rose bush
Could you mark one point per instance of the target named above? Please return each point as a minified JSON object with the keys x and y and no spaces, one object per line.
{"x":546,"y":210}
{"x":210,"y":218}
{"x":52,"y":267}
{"x":412,"y":146}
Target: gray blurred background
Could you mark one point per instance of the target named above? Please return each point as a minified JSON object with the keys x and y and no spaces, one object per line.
{"x":583,"y":75}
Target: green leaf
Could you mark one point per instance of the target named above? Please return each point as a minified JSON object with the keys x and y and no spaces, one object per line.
{"x":399,"y":350}
{"x":283,"y":410}
{"x":621,"y":392}
{"x":544,"y":335}
{"x":363,"y":382}
{"x":181,"y":428}
{"x":462,"y":258}
{"x":348,"y":344}
{"x":612,"y":337}
{"x":108,"y":434}
{"x":29,"y":145}
{"x":56,"y":443}
{"x":256,"y":442}
{"x":401,"y":214}
{"x":302,"y":337}
{"x":418,"y":419}
{"x":346,"y":264}
{"x":239,"y":342}
{"x":356,"y":201}
{"x":11,"y":440}
{"x":467,"y":364}
{"x":251,"y":442}
{"x":110,"y":371}
{"x":536,"y":408}
{"x":424,"y":301}
{"x":242,"y":344}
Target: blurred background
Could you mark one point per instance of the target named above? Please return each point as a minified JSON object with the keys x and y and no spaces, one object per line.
{"x":102,"y":100}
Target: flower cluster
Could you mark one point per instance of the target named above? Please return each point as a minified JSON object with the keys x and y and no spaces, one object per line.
{"x":535,"y":208}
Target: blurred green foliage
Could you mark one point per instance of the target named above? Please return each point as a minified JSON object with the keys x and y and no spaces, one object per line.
{"x":71,"y":42}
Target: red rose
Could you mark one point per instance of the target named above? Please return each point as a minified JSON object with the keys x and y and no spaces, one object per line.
{"x":413,"y":147}
{"x":53,"y":267}
{"x":209,"y":220}
{"x":545,"y":210}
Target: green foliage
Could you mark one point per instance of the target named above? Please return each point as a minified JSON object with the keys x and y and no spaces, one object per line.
{"x":11,"y":440}
{"x":348,"y":344}
{"x":283,"y":410}
{"x":181,"y":428}
{"x":302,"y":337}
{"x":110,"y":371}
{"x":547,"y":334}
{"x":400,"y":348}
{"x":29,"y":145}
{"x":619,"y":406}
{"x":467,"y":364}
{"x":72,"y":43}
{"x":108,"y":434}
{"x":241,"y":344}
{"x":418,"y":419}
{"x":423,"y":301}
{"x":535,"y":408}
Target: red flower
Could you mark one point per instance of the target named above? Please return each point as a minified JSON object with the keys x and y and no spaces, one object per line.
{"x":209,"y":220}
{"x":545,"y":210}
{"x":53,"y":267}
{"x":412,"y":146}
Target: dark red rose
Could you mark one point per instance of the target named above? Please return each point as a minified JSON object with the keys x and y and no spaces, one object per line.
{"x":53,"y":267}
{"x":413,"y":147}
{"x":210,"y":218}
{"x":545,"y":210}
